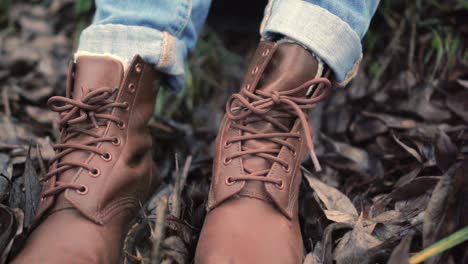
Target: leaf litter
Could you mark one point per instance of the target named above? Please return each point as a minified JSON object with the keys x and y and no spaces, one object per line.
{"x":393,"y":145}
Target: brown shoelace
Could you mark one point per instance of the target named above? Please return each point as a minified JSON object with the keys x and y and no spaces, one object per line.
{"x":250,"y":107}
{"x":78,"y":117}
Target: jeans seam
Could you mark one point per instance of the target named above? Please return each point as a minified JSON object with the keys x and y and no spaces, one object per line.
{"x":275,"y":26}
{"x":351,"y":73}
{"x":267,"y":15}
{"x":166,"y":50}
{"x":187,"y":18}
{"x":184,"y":11}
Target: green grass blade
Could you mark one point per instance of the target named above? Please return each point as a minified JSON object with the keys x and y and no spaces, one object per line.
{"x":440,"y":246}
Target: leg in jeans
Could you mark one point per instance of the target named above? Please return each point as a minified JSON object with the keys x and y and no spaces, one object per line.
{"x":162,"y":32}
{"x":331,"y":29}
{"x":103,"y":170}
{"x":265,"y":135}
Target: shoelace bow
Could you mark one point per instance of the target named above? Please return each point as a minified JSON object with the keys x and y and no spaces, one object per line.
{"x":253,"y":106}
{"x":77,"y":117}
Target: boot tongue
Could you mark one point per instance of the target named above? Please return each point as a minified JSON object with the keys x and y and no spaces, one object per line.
{"x":290,"y":66}
{"x":91,"y":72}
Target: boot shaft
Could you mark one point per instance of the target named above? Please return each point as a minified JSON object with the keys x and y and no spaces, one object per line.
{"x":265,"y":134}
{"x":114,"y":170}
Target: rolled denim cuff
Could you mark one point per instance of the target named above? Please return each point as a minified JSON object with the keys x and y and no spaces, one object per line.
{"x":325,"y":34}
{"x":162,"y":49}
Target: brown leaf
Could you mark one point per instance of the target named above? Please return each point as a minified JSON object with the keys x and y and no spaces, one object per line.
{"x":11,"y":226}
{"x":419,"y":104}
{"x":327,"y":240}
{"x":331,"y":197}
{"x":315,"y":257}
{"x":32,"y":188}
{"x":400,"y":254}
{"x":440,"y":216}
{"x":458,"y":104}
{"x":175,"y":250}
{"x":6,"y":173}
{"x":354,"y":246}
{"x":446,"y":152}
{"x":367,"y":128}
{"x":7,"y":225}
{"x":409,"y":176}
{"x":414,"y":188}
{"x":349,"y":158}
{"x":392,"y":121}
{"x":41,"y":115}
{"x":340,"y":217}
{"x":410,"y":150}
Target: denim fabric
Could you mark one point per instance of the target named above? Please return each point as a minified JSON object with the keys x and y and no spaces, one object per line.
{"x":164,"y":31}
{"x":332,"y":29}
{"x":161,"y":31}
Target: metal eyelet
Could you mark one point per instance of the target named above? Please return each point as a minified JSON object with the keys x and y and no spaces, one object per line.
{"x":265,"y":52}
{"x":226,"y":161}
{"x":286,"y":168}
{"x":127,"y":106}
{"x":255,"y":70}
{"x":280,"y":185}
{"x":227,"y":145}
{"x":138,"y":68}
{"x":131,"y":87}
{"x":294,"y":152}
{"x":83,"y":190}
{"x":116,"y":141}
{"x":229,"y":181}
{"x":121,"y":125}
{"x":106,"y":156}
{"x":94,"y":172}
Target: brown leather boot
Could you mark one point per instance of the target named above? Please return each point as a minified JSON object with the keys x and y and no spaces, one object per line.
{"x":263,"y":138}
{"x":103,"y":169}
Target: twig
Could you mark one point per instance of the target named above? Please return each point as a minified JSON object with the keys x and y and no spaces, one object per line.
{"x":6,"y":102}
{"x":389,"y":53}
{"x":178,"y":187}
{"x":40,"y":160}
{"x":159,"y":228}
{"x":412,"y":43}
{"x":9,"y":128}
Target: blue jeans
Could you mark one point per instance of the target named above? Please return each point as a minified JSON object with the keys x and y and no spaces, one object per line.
{"x":164,"y":31}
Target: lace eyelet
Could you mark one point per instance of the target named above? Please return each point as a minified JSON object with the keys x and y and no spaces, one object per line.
{"x":94,"y":172}
{"x":83,"y":190}
{"x":127,"y":106}
{"x":131,"y":87}
{"x":265,"y":52}
{"x":106,"y":156}
{"x":226,"y":161}
{"x":286,"y":168}
{"x":138,"y":68}
{"x":280,"y":185}
{"x":121,"y":125}
{"x":116,"y":141}
{"x":255,"y":70}
{"x":227,"y":144}
{"x":294,"y":152}
{"x":247,"y":87}
{"x":229,"y":181}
